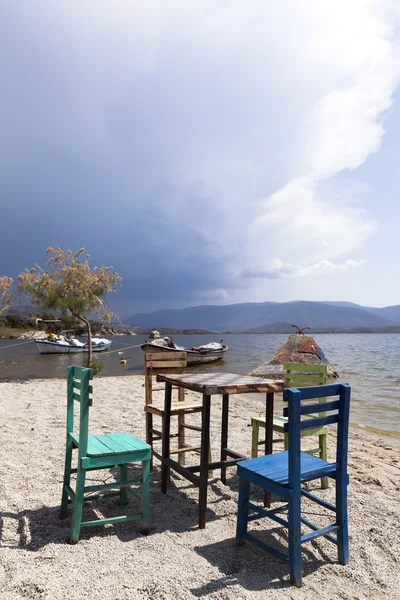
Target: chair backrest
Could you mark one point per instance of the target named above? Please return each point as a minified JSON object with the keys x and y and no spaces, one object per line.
{"x":156,"y":362}
{"x":296,"y":409}
{"x":298,"y":375}
{"x":79,"y":389}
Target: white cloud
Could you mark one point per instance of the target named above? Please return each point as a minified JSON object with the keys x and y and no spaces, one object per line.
{"x":278,"y":269}
{"x":341,"y":127}
{"x":303,"y":225}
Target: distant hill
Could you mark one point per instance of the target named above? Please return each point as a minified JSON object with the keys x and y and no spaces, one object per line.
{"x":279,"y":327}
{"x":23,"y":309}
{"x":391,"y":313}
{"x":326,"y":316}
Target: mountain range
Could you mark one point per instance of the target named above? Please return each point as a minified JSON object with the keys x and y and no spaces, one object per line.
{"x":263,"y":317}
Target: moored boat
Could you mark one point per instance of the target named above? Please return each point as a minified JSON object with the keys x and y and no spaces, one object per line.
{"x":59,"y":344}
{"x":196,"y":355}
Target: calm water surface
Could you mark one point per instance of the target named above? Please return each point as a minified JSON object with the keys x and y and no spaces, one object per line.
{"x":369,"y":362}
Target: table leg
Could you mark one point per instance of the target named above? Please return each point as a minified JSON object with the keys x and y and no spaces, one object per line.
{"x":269,"y":414}
{"x":166,"y":432}
{"x":204,"y":453}
{"x":181,"y":427}
{"x":224,"y":433}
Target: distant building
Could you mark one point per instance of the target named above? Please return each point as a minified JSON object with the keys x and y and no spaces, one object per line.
{"x":33,"y":320}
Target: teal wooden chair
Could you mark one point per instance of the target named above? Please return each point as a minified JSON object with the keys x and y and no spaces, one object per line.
{"x":100,"y":452}
{"x":296,"y":375}
{"x":283,"y":474}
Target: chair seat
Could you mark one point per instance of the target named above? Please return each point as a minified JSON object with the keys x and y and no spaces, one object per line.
{"x":275,"y":467}
{"x":109,"y":444}
{"x":176,"y":407}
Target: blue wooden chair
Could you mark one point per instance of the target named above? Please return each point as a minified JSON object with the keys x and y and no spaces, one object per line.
{"x":99,"y":452}
{"x":283,"y":473}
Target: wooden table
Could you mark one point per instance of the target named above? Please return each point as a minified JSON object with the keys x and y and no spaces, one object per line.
{"x":210,"y":384}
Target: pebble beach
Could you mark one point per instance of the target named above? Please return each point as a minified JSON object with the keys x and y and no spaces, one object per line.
{"x":176,"y":560}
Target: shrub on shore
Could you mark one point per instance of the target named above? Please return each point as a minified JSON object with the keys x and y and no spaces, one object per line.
{"x":97,"y":365}
{"x":13,"y":321}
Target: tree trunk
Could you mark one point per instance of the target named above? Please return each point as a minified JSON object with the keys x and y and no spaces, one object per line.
{"x":89,"y":331}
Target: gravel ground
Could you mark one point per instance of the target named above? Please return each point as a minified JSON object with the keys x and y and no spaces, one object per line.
{"x":177,"y":560}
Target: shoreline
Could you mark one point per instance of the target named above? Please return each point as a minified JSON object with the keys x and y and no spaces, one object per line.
{"x":33,"y":334}
{"x":20,"y":334}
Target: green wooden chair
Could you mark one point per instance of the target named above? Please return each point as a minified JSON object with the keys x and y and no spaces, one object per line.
{"x":297,"y":375}
{"x":100,"y":452}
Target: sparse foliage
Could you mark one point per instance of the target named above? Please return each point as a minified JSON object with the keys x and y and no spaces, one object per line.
{"x":68,"y":283}
{"x":97,"y":365}
{"x":6,"y":293}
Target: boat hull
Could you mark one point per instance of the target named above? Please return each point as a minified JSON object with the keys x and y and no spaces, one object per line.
{"x":79,"y":349}
{"x":47,"y":347}
{"x":193,"y":357}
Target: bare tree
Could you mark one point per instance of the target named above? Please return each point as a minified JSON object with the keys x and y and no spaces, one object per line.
{"x":68,"y":283}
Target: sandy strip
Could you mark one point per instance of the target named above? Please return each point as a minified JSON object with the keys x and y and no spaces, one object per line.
{"x":177,"y":560}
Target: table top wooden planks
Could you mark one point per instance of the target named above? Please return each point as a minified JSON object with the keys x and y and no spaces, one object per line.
{"x":223,"y":383}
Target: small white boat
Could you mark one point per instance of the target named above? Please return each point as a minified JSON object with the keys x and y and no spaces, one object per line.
{"x":197,"y":355}
{"x":59,"y":344}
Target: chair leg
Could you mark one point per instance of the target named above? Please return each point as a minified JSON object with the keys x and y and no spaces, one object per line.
{"x":341,"y":519}
{"x":294,"y":535}
{"x":254,"y":438}
{"x":210,"y":472}
{"x":78,"y":507}
{"x":224,"y":434}
{"x":123,"y":493}
{"x":286,"y":441}
{"x":243,"y":511}
{"x":149,"y":434}
{"x":323,"y":454}
{"x":67,"y":480}
{"x":181,"y":438}
{"x":145,"y":503}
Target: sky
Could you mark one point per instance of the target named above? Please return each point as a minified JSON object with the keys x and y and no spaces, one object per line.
{"x":212,"y":152}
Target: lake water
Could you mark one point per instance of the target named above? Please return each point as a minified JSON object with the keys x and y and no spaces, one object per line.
{"x":370,"y":363}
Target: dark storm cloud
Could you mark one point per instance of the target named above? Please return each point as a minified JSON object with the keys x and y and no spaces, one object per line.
{"x":89,"y":164}
{"x":177,"y":145}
